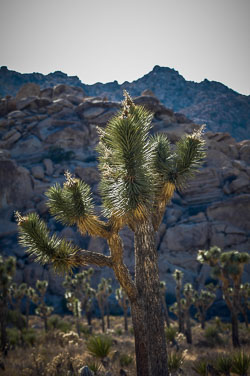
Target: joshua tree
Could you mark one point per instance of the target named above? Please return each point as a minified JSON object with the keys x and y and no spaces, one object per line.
{"x":244,"y":306}
{"x":139,"y":174}
{"x":74,"y":305}
{"x":164,"y":304}
{"x":17,"y":293}
{"x":42,"y":310}
{"x":228,"y":267}
{"x":188,"y":292}
{"x":202,"y":301}
{"x":79,"y":286}
{"x":178,"y":275}
{"x":30,"y":297}
{"x":123,"y":301}
{"x":7,"y":271}
{"x":103,"y":292}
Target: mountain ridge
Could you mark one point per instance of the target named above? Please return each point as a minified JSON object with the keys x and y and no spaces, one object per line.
{"x":210,"y":102}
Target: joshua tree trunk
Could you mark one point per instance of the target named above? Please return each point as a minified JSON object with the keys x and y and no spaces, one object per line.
{"x":203,"y":321}
{"x":103,"y":322}
{"x":180,"y":313}
{"x":151,"y":320}
{"x":235,"y":329}
{"x":4,"y":313}
{"x":188,"y":331}
{"x":165,"y":312}
{"x":89,"y":317}
{"x":45,"y":320}
{"x":125,"y":318}
{"x":27,"y":311}
{"x":108,"y":316}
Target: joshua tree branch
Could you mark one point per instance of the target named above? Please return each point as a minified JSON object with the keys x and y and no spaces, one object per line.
{"x":120,"y":269}
{"x":84,"y":257}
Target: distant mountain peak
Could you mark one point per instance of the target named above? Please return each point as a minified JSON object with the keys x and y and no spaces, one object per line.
{"x":221,"y":108}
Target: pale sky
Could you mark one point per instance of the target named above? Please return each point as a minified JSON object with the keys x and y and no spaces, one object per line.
{"x":107,"y":40}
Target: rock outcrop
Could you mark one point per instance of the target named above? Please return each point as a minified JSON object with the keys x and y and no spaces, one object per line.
{"x":54,"y":129}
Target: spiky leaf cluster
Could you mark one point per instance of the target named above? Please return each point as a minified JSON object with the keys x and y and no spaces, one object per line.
{"x":210,"y":257}
{"x":178,"y":275}
{"x":34,"y":235}
{"x":178,"y":165}
{"x":124,"y":158}
{"x":71,"y":202}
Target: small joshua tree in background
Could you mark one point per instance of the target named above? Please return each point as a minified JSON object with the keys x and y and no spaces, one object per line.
{"x":188,"y":292}
{"x":228,"y":268}
{"x":17,"y":293}
{"x":7,"y":271}
{"x":103,"y":292}
{"x":163,"y":290}
{"x":244,"y":306}
{"x":79,"y":286}
{"x":74,"y":305}
{"x":202,"y":301}
{"x":30,"y":297}
{"x":178,"y":275}
{"x":139,"y":174}
{"x":42,"y":310}
{"x":123,"y":301}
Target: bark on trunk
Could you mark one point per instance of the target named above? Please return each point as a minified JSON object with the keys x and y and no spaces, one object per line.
{"x":180,"y":313}
{"x":165,"y":312}
{"x":108,"y":317}
{"x":235,"y":330}
{"x":188,"y":331}
{"x":45,"y":319}
{"x":4,"y":339}
{"x":141,"y":337}
{"x":125,"y":319}
{"x":103,"y":324}
{"x":27,"y":312}
{"x":89,"y":317}
{"x":203,"y":321}
{"x":148,"y":286}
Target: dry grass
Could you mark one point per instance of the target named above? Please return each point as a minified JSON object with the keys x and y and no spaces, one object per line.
{"x":55,"y":353}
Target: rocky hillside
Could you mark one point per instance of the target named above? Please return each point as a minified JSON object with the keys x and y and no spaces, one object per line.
{"x":44,"y":132}
{"x":209,"y":102}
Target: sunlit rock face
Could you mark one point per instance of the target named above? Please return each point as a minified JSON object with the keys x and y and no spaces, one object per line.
{"x":45,"y":131}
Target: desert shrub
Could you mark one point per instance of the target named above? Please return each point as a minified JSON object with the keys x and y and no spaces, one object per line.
{"x":16,"y":319}
{"x":13,"y":336}
{"x":94,"y":366}
{"x":99,"y":346}
{"x":170,"y":334}
{"x":85,"y":330}
{"x":200,"y":367}
{"x":175,"y":361}
{"x":55,"y":322}
{"x":57,"y":154}
{"x":241,"y":363}
{"x":125,"y":360}
{"x":212,"y":336}
{"x":29,"y":337}
{"x":118,"y":331}
{"x":223,"y":364}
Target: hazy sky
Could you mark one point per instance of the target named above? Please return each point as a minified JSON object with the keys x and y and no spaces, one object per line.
{"x":107,"y":40}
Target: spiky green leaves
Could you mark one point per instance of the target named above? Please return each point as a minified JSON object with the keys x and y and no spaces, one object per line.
{"x":178,"y":165}
{"x":71,"y":202}
{"x":125,"y":155}
{"x":34,"y":235}
{"x":190,"y":154}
